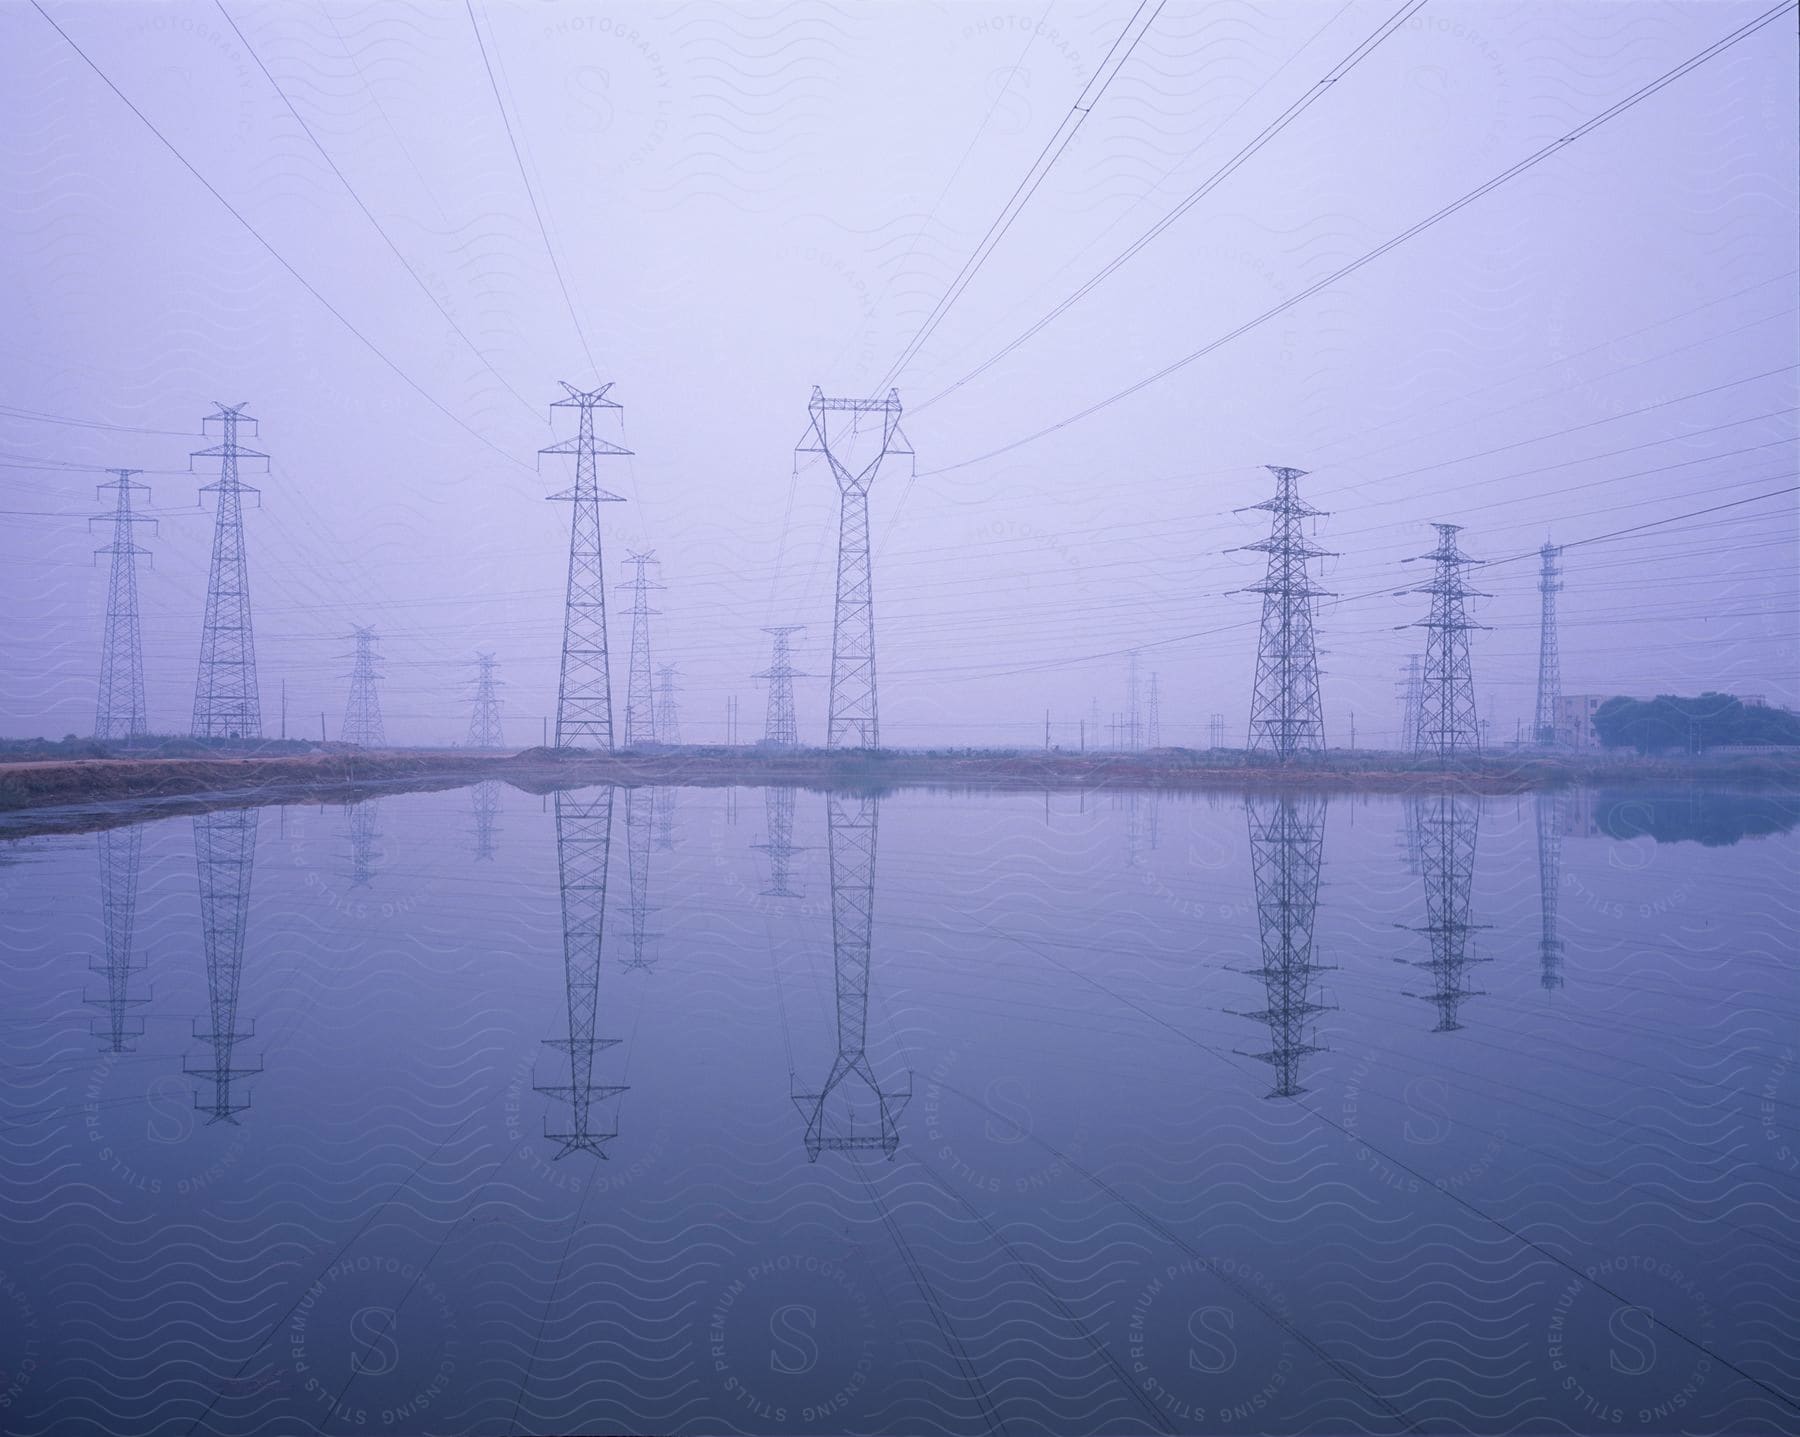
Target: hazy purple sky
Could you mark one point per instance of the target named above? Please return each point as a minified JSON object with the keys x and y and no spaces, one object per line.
{"x":745,"y":201}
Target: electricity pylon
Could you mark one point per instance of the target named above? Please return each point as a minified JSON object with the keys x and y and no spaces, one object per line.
{"x":639,"y":810}
{"x":1549,"y":681}
{"x":225,"y":850}
{"x":226,"y":704}
{"x":362,"y":711}
{"x":668,"y":717}
{"x":1449,"y":825}
{"x":781,"y":729}
{"x":665,"y":817}
{"x":1448,"y":726}
{"x":1549,"y":844}
{"x":487,"y":812}
{"x":584,"y":691}
{"x":363,"y":833}
{"x":778,"y":814}
{"x":1134,"y":723}
{"x":121,"y":853}
{"x":870,"y":1113}
{"x":1412,"y":705}
{"x":484,"y":723}
{"x":583,"y":839}
{"x":1286,"y":716}
{"x":1287,"y":844}
{"x":120,"y":712}
{"x":640,"y":716}
{"x":1153,"y":724}
{"x":836,"y":424}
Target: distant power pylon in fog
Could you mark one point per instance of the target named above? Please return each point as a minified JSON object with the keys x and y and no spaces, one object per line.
{"x":1286,"y":716}
{"x":1448,"y":725}
{"x":226,"y":704}
{"x":484,"y":723}
{"x":640,"y":715}
{"x":668,"y":716}
{"x":1153,"y":725}
{"x":1449,"y":826}
{"x":1549,"y":682}
{"x":362,"y":712}
{"x":120,"y":713}
{"x":781,"y":729}
{"x":225,"y":852}
{"x":852,"y":716}
{"x":1133,"y":737}
{"x":1412,"y":706}
{"x":121,"y":853}
{"x":1215,"y":731}
{"x":584,"y":691}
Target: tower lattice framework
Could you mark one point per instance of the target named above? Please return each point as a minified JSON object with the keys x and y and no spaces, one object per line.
{"x":486,"y":799}
{"x":1287,"y":845}
{"x":837,"y":428}
{"x":778,"y":815}
{"x":225,"y":851}
{"x":1550,"y":818}
{"x":1286,"y":717}
{"x":485,"y":730}
{"x":583,"y":843}
{"x":1448,"y":726}
{"x":668,"y":713}
{"x":364,"y":818}
{"x":121,"y":855}
{"x":120,"y":711}
{"x":1449,"y":826}
{"x":781,"y":729}
{"x":1549,"y":679}
{"x":868,"y":1113}
{"x":640,"y":806}
{"x":226,"y":704}
{"x":584,"y":691}
{"x":1412,"y":705}
{"x":640,"y":701}
{"x":362,"y":724}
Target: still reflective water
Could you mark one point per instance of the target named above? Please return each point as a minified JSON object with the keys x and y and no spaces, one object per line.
{"x":776,"y":1111}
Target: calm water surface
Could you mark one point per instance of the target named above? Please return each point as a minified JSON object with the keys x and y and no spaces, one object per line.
{"x":696,"y":1110}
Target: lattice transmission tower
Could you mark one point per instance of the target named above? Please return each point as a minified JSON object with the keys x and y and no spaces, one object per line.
{"x":584,"y":691}
{"x":362,"y":724}
{"x":1549,"y":681}
{"x":864,"y":1116}
{"x":485,"y":729}
{"x":668,"y":715}
{"x":583,"y":841}
{"x":486,"y":798}
{"x":226,"y":704}
{"x":639,"y":812}
{"x":640,"y":700}
{"x":1412,"y":705}
{"x":1550,"y":818}
{"x":1449,"y":825}
{"x":1133,"y":738}
{"x":120,"y":712}
{"x":121,"y":854}
{"x":781,"y":729}
{"x":1448,"y":725}
{"x":225,"y":851}
{"x":1287,"y":844}
{"x":855,"y":456}
{"x":1153,"y":722}
{"x":778,"y":814}
{"x":363,"y":820}
{"x":1286,"y":717}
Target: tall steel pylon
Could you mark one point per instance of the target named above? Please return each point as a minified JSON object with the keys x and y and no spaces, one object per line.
{"x":362,"y":710}
{"x":1549,"y":681}
{"x":120,"y":712}
{"x":778,"y":815}
{"x":584,"y":691}
{"x":226,"y":704}
{"x":1286,"y":716}
{"x":781,"y":729}
{"x":121,"y":854}
{"x":1449,"y":826}
{"x":639,"y":811}
{"x":640,"y":714}
{"x":870,"y":1113}
{"x":852,"y":720}
{"x":1153,"y":723}
{"x":225,"y":852}
{"x":485,"y":730}
{"x":1134,"y":722}
{"x":668,"y":716}
{"x":1412,"y":705}
{"x":583,"y":841}
{"x":1287,"y":844}
{"x":487,"y":814}
{"x":1448,"y":726}
{"x":1549,"y":845}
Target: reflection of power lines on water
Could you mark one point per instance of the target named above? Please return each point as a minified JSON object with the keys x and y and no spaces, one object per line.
{"x":778,"y":810}
{"x":121,"y":854}
{"x":583,"y":839}
{"x":870,"y":1114}
{"x":1448,"y":825}
{"x":225,"y":851}
{"x":1550,"y":821}
{"x":1287,"y":844}
{"x":639,"y":804}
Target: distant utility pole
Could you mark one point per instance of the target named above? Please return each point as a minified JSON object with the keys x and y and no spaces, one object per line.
{"x":584,"y":693}
{"x":781,"y":729}
{"x":284,"y":710}
{"x":362,"y":713}
{"x":640,"y":716}
{"x":731,"y":720}
{"x":852,"y":718}
{"x":120,"y":713}
{"x":668,"y":724}
{"x":484,"y":722}
{"x":1549,"y":683}
{"x":1286,"y":717}
{"x":1046,"y":730}
{"x":1448,"y":725}
{"x":1215,"y":731}
{"x":226,"y":704}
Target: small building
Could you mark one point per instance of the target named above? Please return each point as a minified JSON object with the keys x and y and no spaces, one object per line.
{"x":1575,"y":719}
